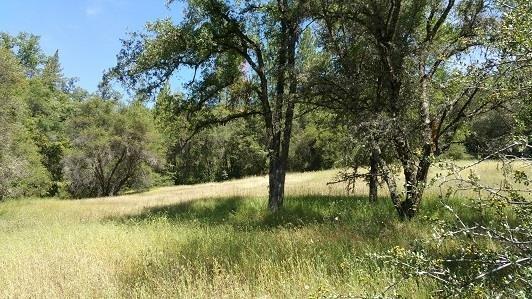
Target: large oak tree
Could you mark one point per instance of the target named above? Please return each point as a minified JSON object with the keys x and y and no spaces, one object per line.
{"x":243,"y":56}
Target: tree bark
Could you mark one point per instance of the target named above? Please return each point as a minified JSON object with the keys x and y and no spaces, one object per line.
{"x":283,"y":113}
{"x":276,"y":184}
{"x":373,"y":177}
{"x":416,"y":181}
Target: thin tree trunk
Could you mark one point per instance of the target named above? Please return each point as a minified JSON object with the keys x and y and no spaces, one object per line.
{"x":373,"y":177}
{"x":282,"y":122}
{"x":392,"y":188}
{"x":387,"y":176}
{"x":276,"y":184}
{"x":416,"y":181}
{"x":410,"y":206}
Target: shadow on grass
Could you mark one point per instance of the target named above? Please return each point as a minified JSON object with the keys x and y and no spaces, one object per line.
{"x":299,"y":211}
{"x":251,"y":213}
{"x":240,"y":228}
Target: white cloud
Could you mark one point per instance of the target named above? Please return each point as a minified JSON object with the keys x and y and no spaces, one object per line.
{"x":93,"y":10}
{"x":97,"y":7}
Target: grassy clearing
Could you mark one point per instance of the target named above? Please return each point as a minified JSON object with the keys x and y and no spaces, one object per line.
{"x":214,"y":240}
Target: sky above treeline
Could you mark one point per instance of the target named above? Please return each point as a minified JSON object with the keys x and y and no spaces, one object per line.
{"x":87,"y":33}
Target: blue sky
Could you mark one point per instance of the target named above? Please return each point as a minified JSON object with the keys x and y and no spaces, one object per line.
{"x":87,"y":33}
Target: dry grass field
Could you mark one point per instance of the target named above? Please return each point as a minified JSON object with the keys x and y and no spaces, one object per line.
{"x":214,"y":240}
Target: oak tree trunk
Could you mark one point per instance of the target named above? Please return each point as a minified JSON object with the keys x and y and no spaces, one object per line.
{"x":276,"y":184}
{"x":283,"y":114}
{"x":373,"y":177}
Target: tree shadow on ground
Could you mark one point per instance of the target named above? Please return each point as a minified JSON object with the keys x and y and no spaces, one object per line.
{"x":251,"y":213}
{"x":298,"y":211}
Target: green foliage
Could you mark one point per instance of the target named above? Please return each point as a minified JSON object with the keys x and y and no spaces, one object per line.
{"x":21,"y":170}
{"x":50,"y":108}
{"x":490,"y":131}
{"x":236,"y":149}
{"x":317,"y":143}
{"x":48,"y":99}
{"x":225,"y":152}
{"x":27,"y":50}
{"x":515,"y":35}
{"x":456,"y":152}
{"x":114,"y":147}
{"x":221,"y":153}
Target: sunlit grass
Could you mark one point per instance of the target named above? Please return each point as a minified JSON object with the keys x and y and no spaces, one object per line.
{"x":214,"y":240}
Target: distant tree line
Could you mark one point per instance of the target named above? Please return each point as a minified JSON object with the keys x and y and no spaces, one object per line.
{"x":59,"y":140}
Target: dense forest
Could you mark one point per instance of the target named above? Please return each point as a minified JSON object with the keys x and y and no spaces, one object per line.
{"x":382,"y":91}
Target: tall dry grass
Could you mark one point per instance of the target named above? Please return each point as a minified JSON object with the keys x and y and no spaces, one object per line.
{"x":214,"y":240}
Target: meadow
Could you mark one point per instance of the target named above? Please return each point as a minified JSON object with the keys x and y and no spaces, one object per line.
{"x":217,"y":240}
